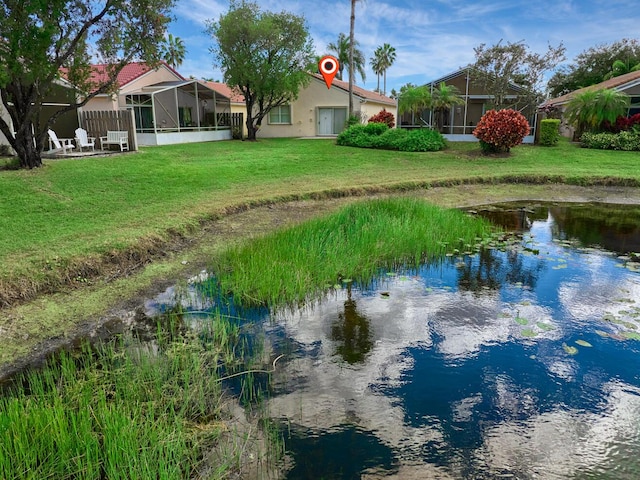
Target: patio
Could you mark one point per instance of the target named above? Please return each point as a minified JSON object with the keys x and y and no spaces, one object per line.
{"x":180,"y":112}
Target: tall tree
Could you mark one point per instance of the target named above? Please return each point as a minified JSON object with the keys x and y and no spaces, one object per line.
{"x":592,"y":65}
{"x":174,"y":51}
{"x":352,"y":46}
{"x":376,"y":65}
{"x":40,"y":42}
{"x":620,"y":67}
{"x":264,"y":55}
{"x":341,"y":50}
{"x":387,"y":58}
{"x":502,"y":65}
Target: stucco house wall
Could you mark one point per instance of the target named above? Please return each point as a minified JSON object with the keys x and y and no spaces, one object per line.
{"x":317,"y":108}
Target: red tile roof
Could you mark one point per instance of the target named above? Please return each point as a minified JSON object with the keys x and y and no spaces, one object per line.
{"x":611,"y":83}
{"x":224,"y":89}
{"x":128,"y":74}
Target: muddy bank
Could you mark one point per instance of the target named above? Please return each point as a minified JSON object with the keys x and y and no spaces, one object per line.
{"x":110,"y":304}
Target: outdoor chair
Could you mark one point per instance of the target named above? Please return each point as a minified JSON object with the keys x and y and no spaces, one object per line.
{"x":57,"y":144}
{"x":83,"y":140}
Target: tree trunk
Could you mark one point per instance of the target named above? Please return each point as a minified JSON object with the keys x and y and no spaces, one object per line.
{"x":28,"y":152}
{"x":351,"y":42}
{"x":251,"y":127}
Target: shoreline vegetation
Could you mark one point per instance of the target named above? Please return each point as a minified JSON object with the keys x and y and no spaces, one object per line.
{"x":84,"y":242}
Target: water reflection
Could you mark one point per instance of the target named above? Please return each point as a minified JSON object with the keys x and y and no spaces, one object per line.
{"x":517,"y":364}
{"x":351,"y":332}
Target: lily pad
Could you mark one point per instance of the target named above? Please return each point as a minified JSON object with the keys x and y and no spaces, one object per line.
{"x":521,"y":320}
{"x":569,"y":349}
{"x":559,"y":267}
{"x":529,"y":333}
{"x":583,"y":343}
{"x":602,"y":334}
{"x":631,"y":335}
{"x":546,"y":327}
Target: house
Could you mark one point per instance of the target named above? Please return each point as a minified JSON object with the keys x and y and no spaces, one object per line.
{"x":461,"y":120}
{"x":238,"y":107}
{"x":167,"y":108}
{"x":628,"y":83}
{"x":318,"y":110}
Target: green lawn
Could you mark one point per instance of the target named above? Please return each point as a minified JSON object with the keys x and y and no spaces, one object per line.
{"x":78,"y":208}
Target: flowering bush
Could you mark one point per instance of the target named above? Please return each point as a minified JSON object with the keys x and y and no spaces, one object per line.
{"x":499,"y":130}
{"x":383,"y":117}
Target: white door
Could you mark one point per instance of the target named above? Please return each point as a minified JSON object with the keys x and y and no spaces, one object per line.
{"x":325,"y":122}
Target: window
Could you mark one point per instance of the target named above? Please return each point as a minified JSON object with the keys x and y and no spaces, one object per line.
{"x":280,"y":115}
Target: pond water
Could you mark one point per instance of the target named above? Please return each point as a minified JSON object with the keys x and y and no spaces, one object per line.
{"x":515,"y":363}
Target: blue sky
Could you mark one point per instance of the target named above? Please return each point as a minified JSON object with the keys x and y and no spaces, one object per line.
{"x":432,"y":37}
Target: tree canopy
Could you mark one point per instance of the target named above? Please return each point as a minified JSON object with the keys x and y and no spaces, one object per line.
{"x":43,"y":41}
{"x":594,"y":65}
{"x":264,"y":55}
{"x":503,"y":64}
{"x":341,"y":50}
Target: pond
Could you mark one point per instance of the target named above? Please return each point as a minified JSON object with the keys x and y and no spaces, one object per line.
{"x":518,"y":362}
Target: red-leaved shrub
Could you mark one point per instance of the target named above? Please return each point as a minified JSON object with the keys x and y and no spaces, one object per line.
{"x":499,"y":130}
{"x":622,"y":124}
{"x":383,"y":117}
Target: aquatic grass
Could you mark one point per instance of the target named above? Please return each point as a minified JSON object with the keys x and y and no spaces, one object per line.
{"x":354,"y":244}
{"x":127,"y":410}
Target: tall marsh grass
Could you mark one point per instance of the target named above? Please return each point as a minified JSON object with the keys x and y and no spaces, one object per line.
{"x":354,"y":244}
{"x":131,"y":410}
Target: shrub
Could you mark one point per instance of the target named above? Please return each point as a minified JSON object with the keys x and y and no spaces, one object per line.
{"x":378,"y":135}
{"x":391,"y":139}
{"x":376,"y":128}
{"x":422,"y":140}
{"x":500,"y":130}
{"x":383,"y":117}
{"x":348,"y":136}
{"x":549,"y":131}
{"x":625,"y":140}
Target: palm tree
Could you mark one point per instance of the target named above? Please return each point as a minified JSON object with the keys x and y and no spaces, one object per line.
{"x":413,"y":99}
{"x":387,"y":55}
{"x":589,"y":109}
{"x":376,"y":65}
{"x":352,"y":58}
{"x":341,"y":50}
{"x":444,"y":97}
{"x":173,"y":51}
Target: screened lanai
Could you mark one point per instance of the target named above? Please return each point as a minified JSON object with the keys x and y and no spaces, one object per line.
{"x":180,"y":112}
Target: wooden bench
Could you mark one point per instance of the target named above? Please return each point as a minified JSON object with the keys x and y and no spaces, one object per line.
{"x":115,"y":137}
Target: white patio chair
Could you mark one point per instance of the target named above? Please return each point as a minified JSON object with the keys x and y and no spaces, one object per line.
{"x":63,"y":144}
{"x":83,"y":140}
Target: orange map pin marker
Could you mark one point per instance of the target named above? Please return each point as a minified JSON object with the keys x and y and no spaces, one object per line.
{"x":328,"y":67}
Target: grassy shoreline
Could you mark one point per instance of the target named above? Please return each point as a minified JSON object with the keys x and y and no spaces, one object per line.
{"x":76,"y":220}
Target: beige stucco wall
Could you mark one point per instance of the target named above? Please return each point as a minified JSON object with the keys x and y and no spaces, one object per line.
{"x":106,"y":102}
{"x":304,"y":110}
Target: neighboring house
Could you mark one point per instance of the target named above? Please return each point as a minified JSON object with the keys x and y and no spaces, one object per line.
{"x":461,"y":120}
{"x":628,"y":83}
{"x":167,"y":107}
{"x":236,"y":99}
{"x":318,"y":110}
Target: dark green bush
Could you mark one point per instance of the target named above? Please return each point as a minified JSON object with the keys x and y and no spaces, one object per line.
{"x":549,"y":132}
{"x":625,"y":140}
{"x":353,"y":120}
{"x":374,"y":128}
{"x":391,"y":139}
{"x":423,"y":140}
{"x":378,"y":135}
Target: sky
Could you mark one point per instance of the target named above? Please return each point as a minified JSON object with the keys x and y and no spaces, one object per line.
{"x":432,"y":38}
